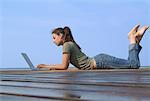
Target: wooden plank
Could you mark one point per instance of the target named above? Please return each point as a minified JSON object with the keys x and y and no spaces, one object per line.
{"x":83,"y":77}
{"x":22,"y":97}
{"x":85,"y":83}
{"x":15,"y":71}
{"x":86,"y":94}
{"x":73,"y":87}
{"x":77,"y":85}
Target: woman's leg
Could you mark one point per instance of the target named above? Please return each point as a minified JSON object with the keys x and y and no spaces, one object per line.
{"x":104,"y":61}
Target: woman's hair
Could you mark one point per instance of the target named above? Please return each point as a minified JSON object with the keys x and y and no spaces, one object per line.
{"x":66,"y":33}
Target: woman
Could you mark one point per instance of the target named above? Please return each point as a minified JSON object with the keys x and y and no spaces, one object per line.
{"x":72,"y":52}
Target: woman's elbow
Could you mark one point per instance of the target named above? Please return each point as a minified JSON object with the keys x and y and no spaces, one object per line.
{"x":64,"y":67}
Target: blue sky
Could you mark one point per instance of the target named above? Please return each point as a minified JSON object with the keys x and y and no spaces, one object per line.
{"x":98,"y":26}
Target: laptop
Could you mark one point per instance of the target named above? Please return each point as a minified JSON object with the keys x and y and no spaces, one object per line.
{"x":32,"y":67}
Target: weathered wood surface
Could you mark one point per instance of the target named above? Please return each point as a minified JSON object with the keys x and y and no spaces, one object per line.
{"x":75,"y":85}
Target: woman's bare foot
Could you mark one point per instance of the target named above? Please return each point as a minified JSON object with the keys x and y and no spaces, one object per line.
{"x":139,"y":34}
{"x":131,"y":34}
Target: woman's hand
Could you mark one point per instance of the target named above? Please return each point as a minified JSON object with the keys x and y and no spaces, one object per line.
{"x":45,"y":66}
{"x":41,"y":66}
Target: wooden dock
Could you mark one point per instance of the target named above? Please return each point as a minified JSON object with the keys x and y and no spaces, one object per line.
{"x":75,"y":85}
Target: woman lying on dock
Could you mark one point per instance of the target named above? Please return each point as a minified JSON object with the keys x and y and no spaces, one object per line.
{"x":72,"y":52}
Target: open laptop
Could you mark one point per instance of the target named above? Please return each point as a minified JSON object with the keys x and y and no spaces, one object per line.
{"x":32,"y":67}
{"x":29,"y":62}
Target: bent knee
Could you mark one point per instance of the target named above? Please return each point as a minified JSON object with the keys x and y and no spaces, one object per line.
{"x":135,"y":65}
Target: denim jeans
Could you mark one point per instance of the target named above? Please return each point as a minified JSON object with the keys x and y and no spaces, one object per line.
{"x":104,"y":61}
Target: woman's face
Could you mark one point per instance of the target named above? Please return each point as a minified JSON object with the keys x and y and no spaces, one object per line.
{"x":57,"y":39}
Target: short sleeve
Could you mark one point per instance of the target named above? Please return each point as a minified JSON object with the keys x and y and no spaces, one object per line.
{"x":67,"y":48}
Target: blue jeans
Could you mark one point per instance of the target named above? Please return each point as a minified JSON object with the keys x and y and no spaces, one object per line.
{"x":104,"y":61}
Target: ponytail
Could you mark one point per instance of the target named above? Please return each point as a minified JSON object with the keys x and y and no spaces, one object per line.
{"x":68,"y":36}
{"x":66,"y":33}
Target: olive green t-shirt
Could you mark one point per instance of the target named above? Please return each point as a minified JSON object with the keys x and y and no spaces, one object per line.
{"x":77,"y":57}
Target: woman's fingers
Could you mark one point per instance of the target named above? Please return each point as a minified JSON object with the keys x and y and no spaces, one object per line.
{"x":40,"y":65}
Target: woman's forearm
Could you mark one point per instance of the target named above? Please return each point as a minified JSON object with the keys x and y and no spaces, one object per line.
{"x":53,"y":67}
{"x":57,"y":67}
